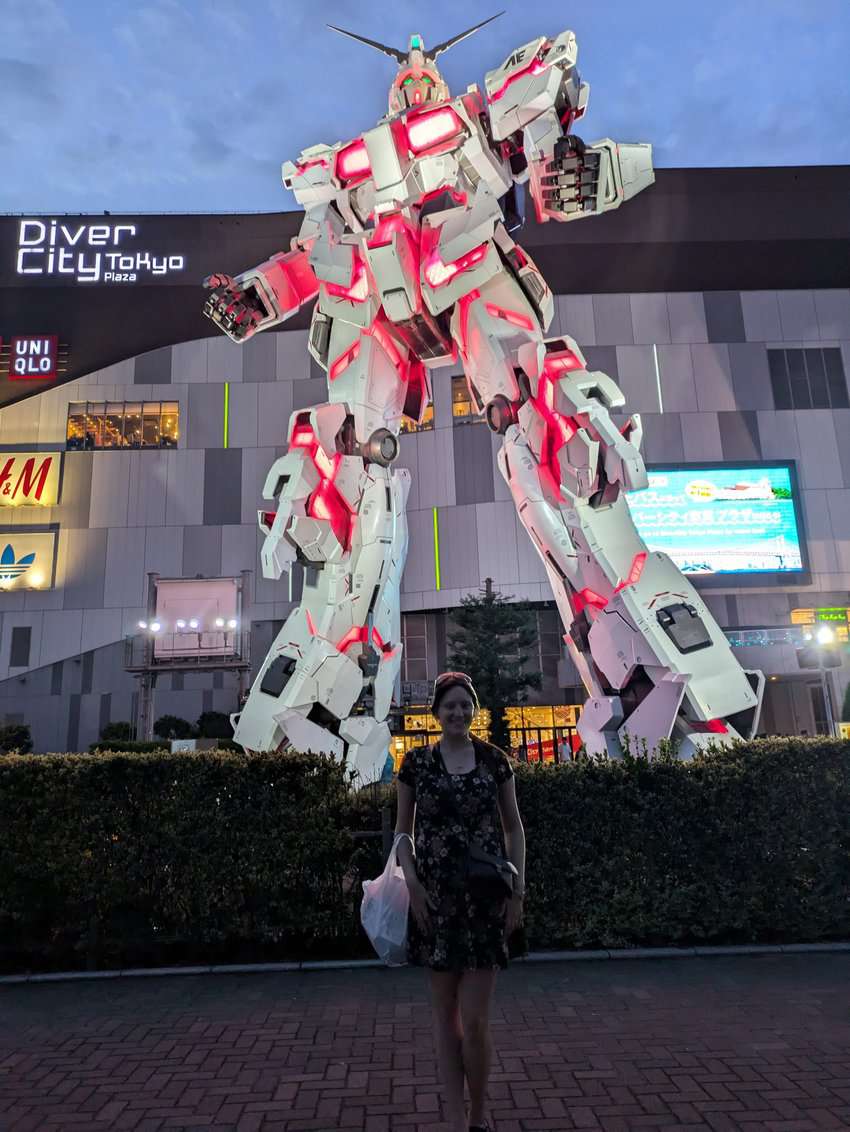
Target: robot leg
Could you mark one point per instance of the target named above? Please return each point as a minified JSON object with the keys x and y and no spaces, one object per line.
{"x":654,"y":663}
{"x":327,"y":682}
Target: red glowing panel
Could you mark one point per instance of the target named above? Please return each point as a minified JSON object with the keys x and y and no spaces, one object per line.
{"x":353,"y":161}
{"x":438,"y":274}
{"x":379,"y":333}
{"x":457,"y":195}
{"x":386,"y":226}
{"x":303,"y":436}
{"x":326,"y":503}
{"x":303,"y":166}
{"x":358,"y":290}
{"x":310,"y":623}
{"x":430,"y":129}
{"x":268,"y":518}
{"x":713,"y":726}
{"x":513,"y":317}
{"x":638,"y":563}
{"x":590,"y":597}
{"x":344,"y":360}
{"x":324,"y":463}
{"x":351,"y":637}
{"x":536,"y":67}
{"x":559,"y":363}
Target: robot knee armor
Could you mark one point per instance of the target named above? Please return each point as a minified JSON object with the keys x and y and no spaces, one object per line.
{"x":501,"y":414}
{"x":381,"y":447}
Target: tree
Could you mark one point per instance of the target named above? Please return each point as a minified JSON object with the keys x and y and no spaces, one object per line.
{"x":493,"y":645}
{"x":214,"y":725}
{"x":173,"y":727}
{"x":115,"y":732}
{"x":15,"y":737}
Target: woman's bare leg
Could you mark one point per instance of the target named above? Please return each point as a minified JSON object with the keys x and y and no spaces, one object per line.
{"x":448,"y":1034}
{"x":476,"y":991}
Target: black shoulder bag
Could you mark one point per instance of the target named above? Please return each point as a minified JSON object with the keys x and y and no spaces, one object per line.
{"x":486,"y":876}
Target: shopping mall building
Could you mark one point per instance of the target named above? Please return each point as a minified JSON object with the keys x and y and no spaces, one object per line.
{"x":134,"y":442}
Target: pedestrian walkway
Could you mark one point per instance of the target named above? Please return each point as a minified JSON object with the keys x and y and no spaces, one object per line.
{"x":734,"y":1043}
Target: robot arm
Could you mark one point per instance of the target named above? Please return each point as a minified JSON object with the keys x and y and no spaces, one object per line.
{"x":267,"y":295}
{"x":580,"y":180}
{"x":262,"y":296}
{"x":535,"y":98}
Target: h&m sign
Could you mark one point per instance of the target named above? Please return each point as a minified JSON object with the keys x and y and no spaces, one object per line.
{"x":29,"y":478}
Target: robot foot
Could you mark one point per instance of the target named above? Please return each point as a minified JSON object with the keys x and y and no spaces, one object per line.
{"x":361,"y":740}
{"x":604,"y":731}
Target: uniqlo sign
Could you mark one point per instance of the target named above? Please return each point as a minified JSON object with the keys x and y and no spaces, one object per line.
{"x":33,"y":357}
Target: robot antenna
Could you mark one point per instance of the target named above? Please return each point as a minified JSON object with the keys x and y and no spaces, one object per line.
{"x":440,"y":48}
{"x":393,"y":52}
{"x":403,"y":56}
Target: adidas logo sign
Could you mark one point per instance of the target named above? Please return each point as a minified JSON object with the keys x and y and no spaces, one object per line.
{"x":11,"y":569}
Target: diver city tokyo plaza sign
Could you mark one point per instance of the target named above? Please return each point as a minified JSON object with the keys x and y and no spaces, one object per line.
{"x":29,"y":479}
{"x":83,"y":252}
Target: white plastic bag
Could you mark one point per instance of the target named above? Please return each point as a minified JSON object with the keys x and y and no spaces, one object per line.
{"x":383,"y":912}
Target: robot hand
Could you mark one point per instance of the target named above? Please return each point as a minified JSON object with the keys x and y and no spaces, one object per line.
{"x":569,"y":182}
{"x":290,"y":481}
{"x":236,"y":310}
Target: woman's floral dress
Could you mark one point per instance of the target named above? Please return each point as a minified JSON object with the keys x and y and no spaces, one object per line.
{"x":467,"y":934}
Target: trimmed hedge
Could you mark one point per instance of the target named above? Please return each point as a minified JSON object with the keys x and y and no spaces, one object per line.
{"x":116,"y":860}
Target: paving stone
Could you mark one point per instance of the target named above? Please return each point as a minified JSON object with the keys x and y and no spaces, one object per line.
{"x":757,"y":1043}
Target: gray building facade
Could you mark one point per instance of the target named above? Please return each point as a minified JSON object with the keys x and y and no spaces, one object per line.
{"x":698,"y":363}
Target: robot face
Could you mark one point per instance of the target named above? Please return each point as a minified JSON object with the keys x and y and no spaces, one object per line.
{"x":417,"y":86}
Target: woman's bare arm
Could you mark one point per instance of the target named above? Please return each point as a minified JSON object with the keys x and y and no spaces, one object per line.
{"x":406,"y":813}
{"x":514,"y":832}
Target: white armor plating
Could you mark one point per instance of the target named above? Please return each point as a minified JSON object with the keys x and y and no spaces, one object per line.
{"x":405,"y":249}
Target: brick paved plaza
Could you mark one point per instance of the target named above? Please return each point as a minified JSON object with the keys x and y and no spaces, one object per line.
{"x":751,"y":1043}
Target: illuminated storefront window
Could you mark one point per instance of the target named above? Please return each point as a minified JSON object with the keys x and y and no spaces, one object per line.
{"x":122,"y":424}
{"x":421,"y":729}
{"x":539,"y":733}
{"x":407,"y":425}
{"x":546,"y":734}
{"x":463,"y":408}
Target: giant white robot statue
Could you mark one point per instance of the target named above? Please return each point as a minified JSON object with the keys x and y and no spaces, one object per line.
{"x":406,"y":251}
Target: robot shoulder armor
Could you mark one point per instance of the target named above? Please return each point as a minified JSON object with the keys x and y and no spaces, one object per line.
{"x":541,"y":52}
{"x":313,"y":167}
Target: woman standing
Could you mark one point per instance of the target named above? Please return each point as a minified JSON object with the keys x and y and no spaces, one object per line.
{"x":458,"y":790}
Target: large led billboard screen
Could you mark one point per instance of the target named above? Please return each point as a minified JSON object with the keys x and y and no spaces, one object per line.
{"x":722,"y":519}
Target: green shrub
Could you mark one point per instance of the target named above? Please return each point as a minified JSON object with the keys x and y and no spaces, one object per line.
{"x":118,"y":859}
{"x":214,"y":725}
{"x":173,"y":727}
{"x":129,"y":746}
{"x":113,"y":732}
{"x":15,"y":737}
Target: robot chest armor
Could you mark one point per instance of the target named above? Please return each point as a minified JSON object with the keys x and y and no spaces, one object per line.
{"x":399,"y":161}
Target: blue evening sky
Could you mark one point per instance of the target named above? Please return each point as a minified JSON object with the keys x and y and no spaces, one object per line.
{"x":190,"y":105}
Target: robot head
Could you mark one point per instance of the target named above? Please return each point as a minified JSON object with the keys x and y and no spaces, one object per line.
{"x":418,"y":81}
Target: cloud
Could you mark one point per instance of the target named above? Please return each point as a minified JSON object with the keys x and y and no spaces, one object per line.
{"x":192,"y":104}
{"x":24,"y":83}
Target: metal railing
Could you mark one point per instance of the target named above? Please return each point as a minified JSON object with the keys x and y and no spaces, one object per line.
{"x":147,"y":652}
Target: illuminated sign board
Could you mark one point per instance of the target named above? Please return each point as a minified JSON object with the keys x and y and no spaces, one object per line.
{"x":29,"y":478}
{"x":84,"y":252}
{"x":33,"y":357}
{"x":26,"y":559}
{"x":720,"y":519}
{"x":839,"y":616}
